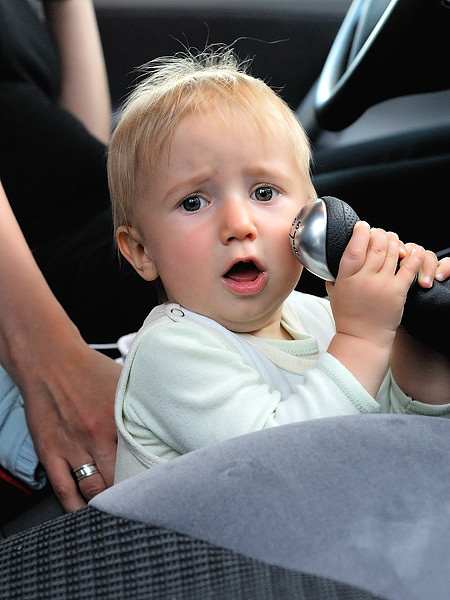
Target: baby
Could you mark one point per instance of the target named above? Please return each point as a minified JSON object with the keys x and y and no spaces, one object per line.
{"x":208,"y":168}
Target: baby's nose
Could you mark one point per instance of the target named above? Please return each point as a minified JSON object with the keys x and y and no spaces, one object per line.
{"x":237,"y":222}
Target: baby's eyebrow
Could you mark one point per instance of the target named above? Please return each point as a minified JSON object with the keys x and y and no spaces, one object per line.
{"x":182,"y":186}
{"x":268,"y":174}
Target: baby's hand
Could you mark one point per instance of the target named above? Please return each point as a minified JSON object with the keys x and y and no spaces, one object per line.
{"x":369,"y":293}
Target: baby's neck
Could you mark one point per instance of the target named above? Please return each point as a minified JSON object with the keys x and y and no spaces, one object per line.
{"x":274,"y":333}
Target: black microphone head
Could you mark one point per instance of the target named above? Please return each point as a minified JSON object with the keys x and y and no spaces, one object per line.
{"x":320,"y":233}
{"x":341,"y":219}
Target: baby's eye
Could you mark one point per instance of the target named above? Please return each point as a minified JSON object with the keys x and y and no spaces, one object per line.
{"x":193,"y":203}
{"x":264,"y":194}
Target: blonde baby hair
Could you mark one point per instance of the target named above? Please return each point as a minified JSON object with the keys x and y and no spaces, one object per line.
{"x":173,"y":87}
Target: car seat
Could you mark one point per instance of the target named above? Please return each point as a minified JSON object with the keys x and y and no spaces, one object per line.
{"x":352,"y":507}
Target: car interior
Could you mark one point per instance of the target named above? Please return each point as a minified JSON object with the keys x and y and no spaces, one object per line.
{"x":370,"y":83}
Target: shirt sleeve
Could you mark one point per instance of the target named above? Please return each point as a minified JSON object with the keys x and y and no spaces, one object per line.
{"x":393,"y":400}
{"x":194,"y":391}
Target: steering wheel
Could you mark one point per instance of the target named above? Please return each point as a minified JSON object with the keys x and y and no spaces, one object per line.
{"x":384,"y":49}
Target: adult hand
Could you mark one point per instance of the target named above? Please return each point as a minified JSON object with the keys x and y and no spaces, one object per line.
{"x":69,"y":412}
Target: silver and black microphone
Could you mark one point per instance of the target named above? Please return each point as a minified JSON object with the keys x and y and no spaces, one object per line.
{"x":319,"y":235}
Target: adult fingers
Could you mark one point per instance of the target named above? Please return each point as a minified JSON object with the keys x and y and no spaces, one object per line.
{"x":89,"y":479}
{"x":64,"y":485}
{"x":74,"y":485}
{"x":104,"y":456}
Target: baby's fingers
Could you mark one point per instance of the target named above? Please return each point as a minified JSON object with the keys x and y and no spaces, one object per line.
{"x":411,"y":264}
{"x":355,"y":253}
{"x":395,"y":250}
{"x":443,"y":269}
{"x":428,"y":269}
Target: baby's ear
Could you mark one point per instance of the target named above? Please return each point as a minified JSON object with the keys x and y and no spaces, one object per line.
{"x":132,"y":247}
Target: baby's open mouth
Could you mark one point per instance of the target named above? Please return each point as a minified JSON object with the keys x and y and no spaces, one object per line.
{"x":243,"y":271}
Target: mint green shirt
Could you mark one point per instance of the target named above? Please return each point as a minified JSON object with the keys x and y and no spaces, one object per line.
{"x":188,"y":382}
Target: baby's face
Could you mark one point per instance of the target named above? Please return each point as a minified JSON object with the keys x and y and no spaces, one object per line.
{"x":216,"y":221}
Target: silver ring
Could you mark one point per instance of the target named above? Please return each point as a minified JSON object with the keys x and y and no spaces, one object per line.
{"x":85,"y":471}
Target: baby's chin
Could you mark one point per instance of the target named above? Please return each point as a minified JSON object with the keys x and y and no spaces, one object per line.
{"x":256,"y":315}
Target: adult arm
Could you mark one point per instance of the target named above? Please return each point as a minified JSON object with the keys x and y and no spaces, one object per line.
{"x":84,"y":82}
{"x":68,"y":388}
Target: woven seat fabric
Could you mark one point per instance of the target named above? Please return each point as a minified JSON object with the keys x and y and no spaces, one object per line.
{"x":89,"y":554}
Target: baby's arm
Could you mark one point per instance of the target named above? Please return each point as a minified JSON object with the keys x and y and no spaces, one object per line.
{"x":420,"y":371}
{"x":367,"y":300}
